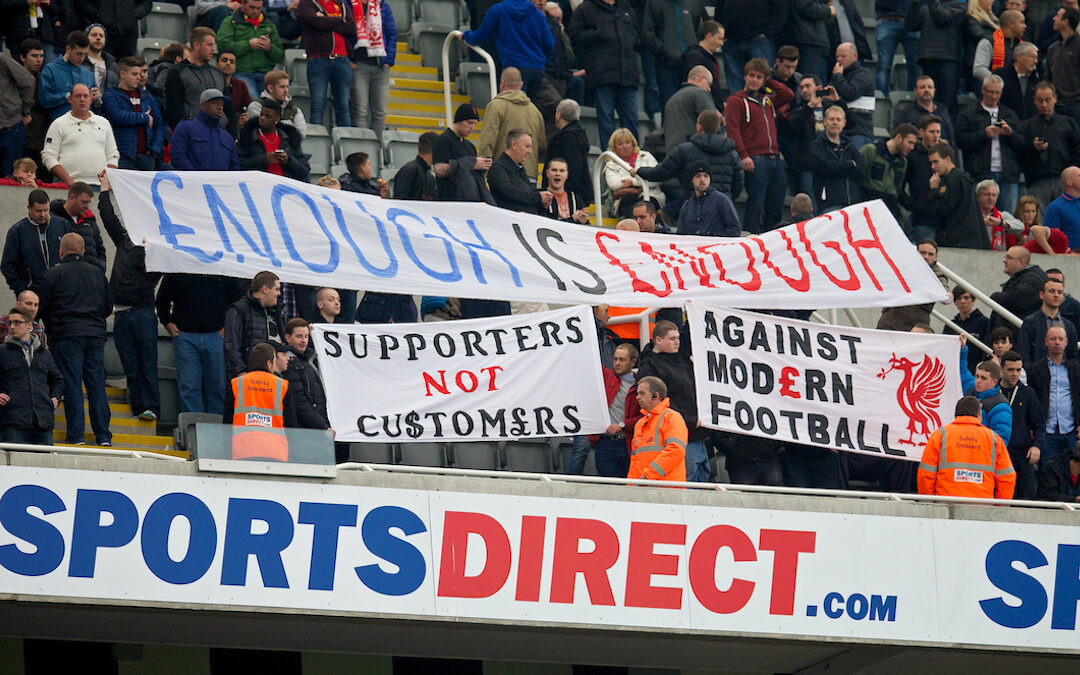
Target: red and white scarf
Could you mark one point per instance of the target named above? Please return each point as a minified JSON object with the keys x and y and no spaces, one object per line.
{"x":369,"y":27}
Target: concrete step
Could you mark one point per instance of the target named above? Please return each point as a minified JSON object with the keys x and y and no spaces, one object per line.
{"x":123,"y":440}
{"x":124,"y":424}
{"x":414,"y":83}
{"x":114,"y":394}
{"x":419,"y":123}
{"x":418,"y":72}
{"x":408,"y":59}
{"x":402,"y":48}
{"x":420,"y":109}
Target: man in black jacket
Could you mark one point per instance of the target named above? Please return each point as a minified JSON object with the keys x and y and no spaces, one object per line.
{"x":33,"y":244}
{"x":854,"y":84}
{"x":134,"y":324}
{"x":415,"y":180}
{"x":989,"y":135}
{"x":1059,"y":479}
{"x":751,"y":29}
{"x":1051,"y":143}
{"x":666,"y":28}
{"x":708,"y":145}
{"x":969,"y":318}
{"x":30,"y":384}
{"x":251,"y":320}
{"x":267,"y":145}
{"x":953,"y":198}
{"x":913,"y":112}
{"x":571,"y":143}
{"x":837,"y":165}
{"x":76,"y":210}
{"x":1063,"y":408}
{"x":75,"y":301}
{"x":941,"y":46}
{"x":303,"y":378}
{"x":1020,"y":292}
{"x":710,"y":39}
{"x":1028,"y":427}
{"x":806,"y":28}
{"x":1031,"y":338}
{"x":510,"y":186}
{"x":1019,"y":79}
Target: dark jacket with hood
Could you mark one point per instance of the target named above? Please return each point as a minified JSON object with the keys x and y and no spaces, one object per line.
{"x":30,"y":377}
{"x":716,"y":150}
{"x":511,"y":187}
{"x":1055,"y":480}
{"x":252,"y":153}
{"x":960,"y":223}
{"x":677,"y":372}
{"x":200,"y":144}
{"x":669,"y":28}
{"x":131,"y":284}
{"x":25,"y":260}
{"x":86,"y":225}
{"x":75,"y":300}
{"x":307,"y":392}
{"x":605,"y":39}
{"x":941,"y":23}
{"x":520,"y":31}
{"x":247,"y":323}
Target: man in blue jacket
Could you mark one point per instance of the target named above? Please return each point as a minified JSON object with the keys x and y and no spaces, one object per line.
{"x":708,"y":211}
{"x":199,"y":144}
{"x":136,"y":119}
{"x":522,"y":37}
{"x":61,"y":75}
{"x":996,"y":412}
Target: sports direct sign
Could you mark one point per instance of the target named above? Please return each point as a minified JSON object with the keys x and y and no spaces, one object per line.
{"x":148,"y":538}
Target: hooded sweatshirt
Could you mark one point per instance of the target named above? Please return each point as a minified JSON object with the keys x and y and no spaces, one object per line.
{"x":521,"y":34}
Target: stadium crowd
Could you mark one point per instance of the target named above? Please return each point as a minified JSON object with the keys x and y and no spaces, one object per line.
{"x":983,"y":154}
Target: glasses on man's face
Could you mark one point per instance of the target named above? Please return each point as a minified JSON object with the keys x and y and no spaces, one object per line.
{"x":16,"y":322}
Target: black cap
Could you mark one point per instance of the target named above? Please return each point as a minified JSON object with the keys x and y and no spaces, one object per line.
{"x":278,"y":346}
{"x":699,"y":167}
{"x":466,"y":111}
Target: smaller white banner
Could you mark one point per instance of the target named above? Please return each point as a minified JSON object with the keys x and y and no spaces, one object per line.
{"x":481,"y":379}
{"x":868,"y":391}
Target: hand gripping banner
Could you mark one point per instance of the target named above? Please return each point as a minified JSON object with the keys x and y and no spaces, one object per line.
{"x":237,"y":223}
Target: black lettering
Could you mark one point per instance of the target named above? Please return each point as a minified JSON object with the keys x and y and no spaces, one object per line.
{"x":852,"y":341}
{"x":815,"y":382}
{"x":826,"y":346}
{"x":860,"y":436}
{"x":459,"y":419}
{"x":744,"y":417}
{"x":717,"y":367}
{"x":717,"y":412}
{"x":779,"y":339}
{"x":759,"y":338}
{"x":444,"y":345}
{"x":762,"y":378}
{"x":387,"y":344}
{"x":543,"y":419}
{"x":550,"y":332}
{"x":415,"y":342}
{"x":574,"y":424}
{"x":885,"y":442}
{"x":543,"y":235}
{"x":843,"y":434}
{"x":710,"y":325}
{"x":360,"y":426}
{"x":572,"y":325}
{"x":739,"y":376}
{"x":352,"y":345}
{"x":843,"y":388}
{"x":496,"y":422}
{"x":521,"y":338}
{"x":436,"y":419}
{"x":496,"y":334}
{"x":733,"y":334}
{"x":799,"y":340}
{"x":333,"y":349}
{"x":472,"y":338}
{"x":766,"y":421}
{"x":818,"y":427}
{"x":412,"y":422}
{"x":559,"y":283}
{"x":518,"y":427}
{"x":386,"y":425}
{"x":791,"y":416}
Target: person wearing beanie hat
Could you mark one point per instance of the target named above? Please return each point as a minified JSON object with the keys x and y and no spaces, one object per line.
{"x":708,"y":211}
{"x":458,"y":171}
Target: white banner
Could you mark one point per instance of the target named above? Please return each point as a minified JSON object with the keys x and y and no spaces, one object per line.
{"x":238,"y":223}
{"x":869,"y":391}
{"x":248,"y":545}
{"x":504,"y":377}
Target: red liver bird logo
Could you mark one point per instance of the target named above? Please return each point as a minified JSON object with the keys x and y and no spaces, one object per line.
{"x":918,"y":394}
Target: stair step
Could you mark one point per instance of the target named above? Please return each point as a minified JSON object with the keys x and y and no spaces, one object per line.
{"x":415,"y":83}
{"x":136,"y":441}
{"x":419,"y":121}
{"x":402,"y":48}
{"x":421,"y":109}
{"x":127,"y":425}
{"x":114,"y":394}
{"x":419,"y":72}
{"x":117,"y":409}
{"x":410,"y":59}
{"x":425,"y":97}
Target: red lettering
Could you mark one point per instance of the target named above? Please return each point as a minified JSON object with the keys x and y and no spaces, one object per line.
{"x":467,"y":388}
{"x":440,"y":386}
{"x":787,"y":379}
{"x":753,"y":284}
{"x":786,"y":546}
{"x":457,"y":526}
{"x":491,"y":370}
{"x":702,"y":569}
{"x":530,"y":558}
{"x":852,"y":282}
{"x":873,"y":242}
{"x":568,"y":561}
{"x":802,"y":284}
{"x":642,"y":563}
{"x":636,"y":282}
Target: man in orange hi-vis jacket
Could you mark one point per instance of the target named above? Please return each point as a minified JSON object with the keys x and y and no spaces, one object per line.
{"x":966,"y":459}
{"x":659,"y":448}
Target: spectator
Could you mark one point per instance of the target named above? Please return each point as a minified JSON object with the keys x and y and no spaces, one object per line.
{"x":562,"y":79}
{"x":605,"y":34}
{"x":1061,"y":60}
{"x":853,"y":83}
{"x":1000,"y":225}
{"x":885,"y":166}
{"x":625,"y":187}
{"x":1048,"y":33}
{"x":1051,"y":144}
{"x":1028,"y":425}
{"x":32,"y":58}
{"x":941,"y":47}
{"x":268,"y":405}
{"x":1040,"y":239}
{"x":979,"y":24}
{"x":571,"y":143}
{"x":256,"y":43}
{"x":996,"y":159}
{"x":806,"y":29}
{"x":265,"y":144}
{"x":805,"y":121}
{"x":612,"y":449}
{"x":329,"y":181}
{"x":30,"y":384}
{"x":284,"y":14}
{"x":509,"y":181}
{"x":373,"y":55}
{"x":16,"y":103}
{"x":119,"y":18}
{"x":60,"y":77}
{"x":1054,"y":379}
{"x":1031,"y":339}
{"x":802,"y":209}
{"x":1018,"y":78}
{"x":708,"y":145}
{"x":44,"y":23}
{"x":970,"y":319}
{"x":806,"y":466}
{"x":847,"y":26}
{"x":26,"y":256}
{"x":954,"y":205}
{"x":24,"y":174}
{"x":329,"y":34}
{"x":924,"y":104}
{"x":966,"y":441}
{"x":710,"y":40}
{"x":169,"y":56}
{"x":415,"y":180}
{"x":136,"y":119}
{"x":1020,"y":292}
{"x":100,"y":62}
{"x":904,"y":319}
{"x":29,"y":301}
{"x":785,"y":71}
{"x":75,"y":301}
{"x":251,"y":320}
{"x":76,"y":211}
{"x":837,"y":165}
{"x":683,"y":108}
{"x":236,"y":90}
{"x":1001,"y":341}
{"x":707,"y":211}
{"x":1059,"y":479}
{"x":511,"y":109}
{"x":1064,"y":212}
{"x":458,"y":171}
{"x":889,"y":31}
{"x":1070,"y":307}
{"x":305,"y":385}
{"x":665,"y":30}
{"x":522,"y":36}
{"x":751,"y":119}
{"x":997,"y":50}
{"x":564,"y":204}
{"x":277,"y":89}
{"x":189,"y":79}
{"x":917,"y":199}
{"x":659,"y":447}
{"x":200,"y":144}
{"x":751,"y":29}
{"x":211,"y":13}
{"x":79,"y":144}
{"x":644,"y":214}
{"x":327,"y":307}
{"x":359,"y":177}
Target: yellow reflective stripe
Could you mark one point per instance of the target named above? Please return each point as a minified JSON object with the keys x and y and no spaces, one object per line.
{"x":648,"y":448}
{"x":659,"y":470}
{"x":963,"y":465}
{"x":1004,"y":472}
{"x":674,"y":440}
{"x":926,"y":467}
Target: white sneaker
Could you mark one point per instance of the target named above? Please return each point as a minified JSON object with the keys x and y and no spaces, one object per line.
{"x":147,"y":416}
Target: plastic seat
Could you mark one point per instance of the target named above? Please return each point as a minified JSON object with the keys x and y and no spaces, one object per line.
{"x":296,"y":66}
{"x":446,"y":12}
{"x":317,"y":143}
{"x":588,"y":120}
{"x":483,"y":455}
{"x":166,"y":21}
{"x":374,"y":453}
{"x":401,"y":146}
{"x":348,"y":140}
{"x":302,"y":96}
{"x":882,"y":112}
{"x":184,"y":435}
{"x":427,"y":40}
{"x":531,"y":457}
{"x":149,"y":47}
{"x":403,"y":11}
{"x":565,"y":450}
{"x":424,"y":454}
{"x":477,"y":82}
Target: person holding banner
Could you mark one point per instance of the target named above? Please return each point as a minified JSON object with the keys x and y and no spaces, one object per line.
{"x":251,"y":320}
{"x":261,"y":406}
{"x":612,"y":456}
{"x":658,"y":450}
{"x":966,"y":459}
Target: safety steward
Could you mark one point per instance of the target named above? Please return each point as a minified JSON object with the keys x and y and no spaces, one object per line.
{"x":658,"y":451}
{"x":966,"y":459}
{"x":262,"y":407}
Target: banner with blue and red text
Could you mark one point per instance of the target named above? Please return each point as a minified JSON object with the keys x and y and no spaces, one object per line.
{"x":239,"y":223}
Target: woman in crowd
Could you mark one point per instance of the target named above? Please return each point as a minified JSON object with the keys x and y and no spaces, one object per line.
{"x":980,"y":25}
{"x":627,"y":189}
{"x":1038,"y":238}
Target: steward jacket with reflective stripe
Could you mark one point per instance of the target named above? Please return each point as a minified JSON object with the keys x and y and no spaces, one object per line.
{"x":259,"y":408}
{"x":966,"y":459}
{"x":659,"y":448}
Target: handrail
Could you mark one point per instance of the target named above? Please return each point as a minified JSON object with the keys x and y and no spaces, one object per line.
{"x":452,"y":35}
{"x":89,"y":450}
{"x":975,"y":292}
{"x":641,"y":319}
{"x":960,"y":331}
{"x":609,"y":156}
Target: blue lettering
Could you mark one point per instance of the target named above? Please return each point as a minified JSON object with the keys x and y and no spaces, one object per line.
{"x":328,"y":520}
{"x":202,"y":540}
{"x":392,"y":264}
{"x":218,"y":209}
{"x":410,"y":562}
{"x":37,"y":532}
{"x":1001,"y":573}
{"x":170,"y":229}
{"x":857,"y":606}
{"x":453,"y":275}
{"x":883,"y":608}
{"x":88,"y":534}
{"x":279,"y":193}
{"x":830,"y":608}
{"x":241,"y":543}
{"x":472,"y":248}
{"x":1066,"y":587}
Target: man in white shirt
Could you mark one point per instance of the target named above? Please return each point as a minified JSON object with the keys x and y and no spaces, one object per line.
{"x":79,"y":144}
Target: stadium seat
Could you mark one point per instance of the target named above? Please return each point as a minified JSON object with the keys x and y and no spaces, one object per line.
{"x":482,"y":455}
{"x":184,"y":435}
{"x":446,"y":12}
{"x":403,"y":16}
{"x":296,"y":66}
{"x":898,"y":76}
{"x":401,"y":146}
{"x":588,"y":120}
{"x":477,"y":83}
{"x":374,"y":453}
{"x":316,"y":171}
{"x":302,"y":96}
{"x":564,"y":459}
{"x":167,"y":22}
{"x":427,"y":40}
{"x":528,"y":456}
{"x":149,"y":47}
{"x":897,"y":96}
{"x":882,"y":111}
{"x":348,"y":140}
{"x":317,"y":143}
{"x":424,"y":454}
{"x":338,"y":170}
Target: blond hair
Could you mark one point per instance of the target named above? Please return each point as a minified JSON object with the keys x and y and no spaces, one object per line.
{"x":975,"y":11}
{"x":620,"y":134}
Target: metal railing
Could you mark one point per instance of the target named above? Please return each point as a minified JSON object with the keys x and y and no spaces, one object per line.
{"x":979,"y":295}
{"x":960,"y":331}
{"x":641,"y":319}
{"x":453,"y":35}
{"x":609,"y":156}
{"x":89,"y":450}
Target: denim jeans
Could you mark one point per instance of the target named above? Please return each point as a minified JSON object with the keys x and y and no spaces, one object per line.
{"x":200,"y":372}
{"x":212,"y":18}
{"x":612,"y":457}
{"x":697,"y":462}
{"x":652,"y":89}
{"x":668,"y":80}
{"x":531,"y":79}
{"x":765,"y":188}
{"x":29,"y":436}
{"x":370,"y":96}
{"x":812,"y":61}
{"x":889,"y":33}
{"x":1056,"y":443}
{"x":738,"y":52}
{"x":757,"y":473}
{"x":335,"y":75}
{"x":1025,"y":475}
{"x":579,"y":454}
{"x":141,"y":163}
{"x":805,"y":184}
{"x":859,"y":140}
{"x":254,"y":83}
{"x":1008,"y":192}
{"x":135,"y":333}
{"x":81,"y":361}
{"x":609,"y":99}
{"x":386,"y":308}
{"x":12,"y":146}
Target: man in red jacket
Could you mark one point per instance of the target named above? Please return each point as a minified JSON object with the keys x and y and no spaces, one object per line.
{"x":613,"y":446}
{"x":751,"y":123}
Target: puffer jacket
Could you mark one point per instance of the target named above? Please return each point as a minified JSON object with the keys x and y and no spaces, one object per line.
{"x":116,"y":107}
{"x":717,"y":150}
{"x":670,"y":28}
{"x":605,"y":37}
{"x":119,"y":17}
{"x":807,"y":23}
{"x":25,"y":259}
{"x":307,"y":392}
{"x":252,"y":152}
{"x":236,"y":32}
{"x":942,"y":25}
{"x":86,"y":225}
{"x":201,"y":145}
{"x":31,"y":379}
{"x":247,"y":323}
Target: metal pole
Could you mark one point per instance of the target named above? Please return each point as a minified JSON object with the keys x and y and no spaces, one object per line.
{"x":450,"y":37}
{"x":608,"y":156}
{"x":998,"y":309}
{"x":960,"y":331}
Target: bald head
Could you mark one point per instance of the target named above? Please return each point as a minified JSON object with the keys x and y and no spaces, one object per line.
{"x":628,"y":225}
{"x":1070,"y":181}
{"x":510,"y":79}
{"x":700,"y":76}
{"x":1021,"y":254}
{"x":846,"y":54}
{"x":72,"y":243}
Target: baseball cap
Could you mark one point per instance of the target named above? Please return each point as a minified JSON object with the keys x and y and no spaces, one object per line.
{"x":210,"y":95}
{"x":466,"y":111}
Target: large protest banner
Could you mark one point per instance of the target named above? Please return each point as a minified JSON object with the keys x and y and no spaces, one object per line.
{"x":238,"y":223}
{"x":868,"y":391}
{"x":504,"y":377}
